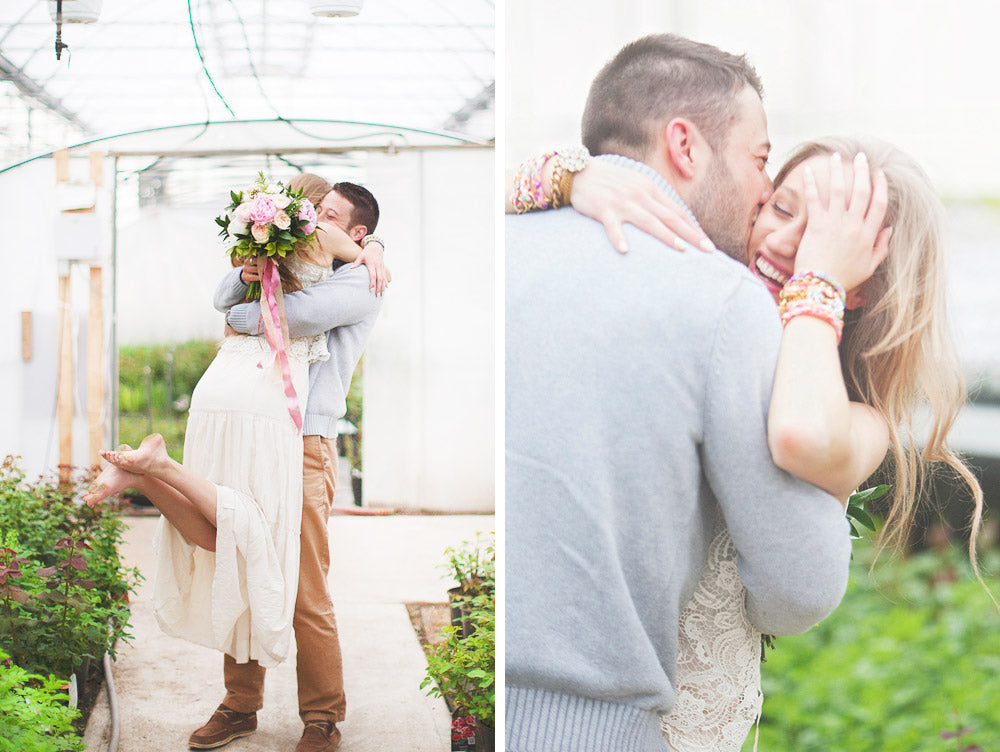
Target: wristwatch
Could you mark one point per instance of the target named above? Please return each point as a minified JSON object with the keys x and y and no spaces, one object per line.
{"x":566,"y":163}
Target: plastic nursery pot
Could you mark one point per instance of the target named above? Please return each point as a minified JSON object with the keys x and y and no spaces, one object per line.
{"x":485,"y":737}
{"x":460,"y":611}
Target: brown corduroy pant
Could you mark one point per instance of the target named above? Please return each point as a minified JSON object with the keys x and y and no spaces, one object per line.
{"x":318,"y":665}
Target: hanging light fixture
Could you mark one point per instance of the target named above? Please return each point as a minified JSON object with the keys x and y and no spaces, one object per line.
{"x":75,"y":11}
{"x":335,"y":8}
{"x":72,"y":11}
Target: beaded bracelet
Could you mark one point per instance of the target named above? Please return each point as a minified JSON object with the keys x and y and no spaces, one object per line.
{"x":813,"y":294}
{"x":528,"y":193}
{"x":372,"y":239}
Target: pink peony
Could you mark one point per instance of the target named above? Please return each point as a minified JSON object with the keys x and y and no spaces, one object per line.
{"x":262,"y":210}
{"x":282,"y":221}
{"x":260,"y":233}
{"x":307,"y":214}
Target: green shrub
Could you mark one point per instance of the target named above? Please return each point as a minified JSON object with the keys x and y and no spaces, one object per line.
{"x":63,"y":585}
{"x":463,"y":669}
{"x":34,"y":714}
{"x":189,"y":361}
{"x":909,"y":662}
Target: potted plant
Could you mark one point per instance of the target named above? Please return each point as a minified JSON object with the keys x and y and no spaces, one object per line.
{"x":63,"y":585}
{"x":462,"y":668}
{"x":472,"y":567}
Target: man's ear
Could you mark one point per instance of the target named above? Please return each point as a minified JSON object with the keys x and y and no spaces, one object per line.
{"x":684,"y":147}
{"x":357,"y":232}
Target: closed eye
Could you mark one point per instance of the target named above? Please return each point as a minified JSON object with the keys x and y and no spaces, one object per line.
{"x":781,"y":210}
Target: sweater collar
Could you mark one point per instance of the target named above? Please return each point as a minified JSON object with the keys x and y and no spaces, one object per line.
{"x":645,"y":169}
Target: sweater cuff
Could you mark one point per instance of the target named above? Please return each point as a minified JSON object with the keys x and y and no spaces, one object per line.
{"x":245,"y":318}
{"x":543,"y":721}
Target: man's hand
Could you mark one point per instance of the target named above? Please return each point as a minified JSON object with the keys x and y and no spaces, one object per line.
{"x":249,"y":273}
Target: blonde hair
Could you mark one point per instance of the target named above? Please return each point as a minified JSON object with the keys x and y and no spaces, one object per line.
{"x":899,"y":353}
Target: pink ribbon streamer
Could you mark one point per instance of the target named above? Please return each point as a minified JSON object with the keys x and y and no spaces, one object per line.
{"x":270,"y":288}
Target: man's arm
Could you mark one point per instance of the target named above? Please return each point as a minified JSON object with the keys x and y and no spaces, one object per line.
{"x":230,"y":291}
{"x":342,"y":300}
{"x":792,"y":538}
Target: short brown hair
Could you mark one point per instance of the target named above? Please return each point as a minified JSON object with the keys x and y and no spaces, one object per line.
{"x":365,"y":207}
{"x":655,"y":79}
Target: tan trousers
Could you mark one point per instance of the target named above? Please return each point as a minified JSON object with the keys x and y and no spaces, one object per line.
{"x":318,"y":663}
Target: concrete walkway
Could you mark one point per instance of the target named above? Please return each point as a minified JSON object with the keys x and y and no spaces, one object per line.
{"x":168,"y":687}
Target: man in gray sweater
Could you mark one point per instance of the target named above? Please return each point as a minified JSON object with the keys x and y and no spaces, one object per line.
{"x":344,"y":308}
{"x":637,"y":389}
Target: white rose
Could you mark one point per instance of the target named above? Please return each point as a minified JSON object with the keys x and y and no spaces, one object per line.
{"x":281,"y":200}
{"x":282,"y":221}
{"x":236,"y":227}
{"x":273,"y":188}
{"x":242,"y":212}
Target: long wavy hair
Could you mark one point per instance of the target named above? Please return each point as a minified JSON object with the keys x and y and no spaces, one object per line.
{"x":897,"y":353}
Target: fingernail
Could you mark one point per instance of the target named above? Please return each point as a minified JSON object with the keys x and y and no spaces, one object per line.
{"x":679,"y":244}
{"x":707,"y":245}
{"x":860,"y":158}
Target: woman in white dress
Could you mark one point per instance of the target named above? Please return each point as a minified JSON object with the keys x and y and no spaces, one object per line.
{"x":228,"y":541}
{"x":838,"y":406}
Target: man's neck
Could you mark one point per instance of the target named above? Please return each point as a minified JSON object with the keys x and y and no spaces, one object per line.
{"x":661,"y":181}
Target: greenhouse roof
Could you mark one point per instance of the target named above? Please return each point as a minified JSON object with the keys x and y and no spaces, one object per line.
{"x":402,"y":72}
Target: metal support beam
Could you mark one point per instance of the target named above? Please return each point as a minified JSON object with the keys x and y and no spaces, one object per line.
{"x":35,"y":91}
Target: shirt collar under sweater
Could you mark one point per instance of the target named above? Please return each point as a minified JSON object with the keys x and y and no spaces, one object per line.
{"x":661,"y":182}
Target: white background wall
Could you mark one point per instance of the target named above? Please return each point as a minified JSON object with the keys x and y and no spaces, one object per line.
{"x":429,"y":367}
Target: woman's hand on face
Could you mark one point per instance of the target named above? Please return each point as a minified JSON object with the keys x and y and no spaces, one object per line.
{"x":373,"y":257}
{"x":614,"y":195}
{"x":845,"y":238}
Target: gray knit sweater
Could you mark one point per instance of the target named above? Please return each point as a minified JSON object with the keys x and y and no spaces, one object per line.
{"x":637,"y":389}
{"x":343,"y":307}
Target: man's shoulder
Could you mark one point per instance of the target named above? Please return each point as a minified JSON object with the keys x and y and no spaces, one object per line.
{"x":565,"y":239}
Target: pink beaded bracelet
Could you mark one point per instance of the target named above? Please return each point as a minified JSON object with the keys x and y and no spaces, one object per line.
{"x":813,"y":293}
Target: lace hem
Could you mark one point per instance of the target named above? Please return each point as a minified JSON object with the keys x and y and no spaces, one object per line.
{"x":718,"y":695}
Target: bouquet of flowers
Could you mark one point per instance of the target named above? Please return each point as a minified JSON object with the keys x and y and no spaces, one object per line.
{"x":266,"y":219}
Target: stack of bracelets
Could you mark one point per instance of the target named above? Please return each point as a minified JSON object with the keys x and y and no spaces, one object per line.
{"x":813,"y":294}
{"x":529,"y":192}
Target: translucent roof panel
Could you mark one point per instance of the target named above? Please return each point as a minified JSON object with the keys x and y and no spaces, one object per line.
{"x":422,"y":64}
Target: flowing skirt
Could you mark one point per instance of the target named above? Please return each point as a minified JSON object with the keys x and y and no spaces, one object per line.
{"x":239,"y":599}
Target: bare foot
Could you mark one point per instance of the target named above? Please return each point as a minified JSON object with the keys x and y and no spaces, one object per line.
{"x":112,"y":480}
{"x":147,"y":459}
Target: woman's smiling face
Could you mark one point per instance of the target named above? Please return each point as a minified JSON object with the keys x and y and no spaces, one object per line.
{"x":776,"y":234}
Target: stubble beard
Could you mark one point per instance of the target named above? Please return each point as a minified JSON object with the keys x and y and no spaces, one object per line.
{"x":716,"y":203}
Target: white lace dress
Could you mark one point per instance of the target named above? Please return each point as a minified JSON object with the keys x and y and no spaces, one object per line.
{"x":240,"y":599}
{"x":718,"y":661}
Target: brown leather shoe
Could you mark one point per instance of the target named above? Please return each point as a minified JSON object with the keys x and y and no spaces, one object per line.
{"x":225,"y":725}
{"x":319,"y":736}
